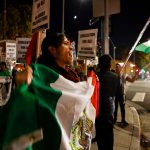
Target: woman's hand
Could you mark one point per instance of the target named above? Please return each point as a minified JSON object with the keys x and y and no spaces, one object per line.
{"x":24,"y":76}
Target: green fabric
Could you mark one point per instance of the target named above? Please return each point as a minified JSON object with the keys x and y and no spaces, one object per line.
{"x":144,"y":47}
{"x":4,"y":73}
{"x":32,"y":107}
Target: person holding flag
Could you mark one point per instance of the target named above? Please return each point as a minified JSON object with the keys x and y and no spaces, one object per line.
{"x":65,"y":112}
{"x":120,"y":97}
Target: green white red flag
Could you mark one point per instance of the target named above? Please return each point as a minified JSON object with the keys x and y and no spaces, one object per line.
{"x":51,"y":113}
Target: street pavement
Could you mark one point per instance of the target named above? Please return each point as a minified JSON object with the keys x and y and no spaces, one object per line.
{"x":126,"y":137}
{"x":145,"y":125}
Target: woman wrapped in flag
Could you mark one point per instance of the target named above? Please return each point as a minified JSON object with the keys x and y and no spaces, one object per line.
{"x":53,"y":107}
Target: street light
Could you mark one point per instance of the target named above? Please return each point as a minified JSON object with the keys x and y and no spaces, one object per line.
{"x":93,"y":21}
{"x":114,"y":48}
{"x":75,"y":17}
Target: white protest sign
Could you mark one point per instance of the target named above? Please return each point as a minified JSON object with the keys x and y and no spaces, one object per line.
{"x":22,"y":45}
{"x":87,"y":44}
{"x":40,"y":14}
{"x":10,"y":51}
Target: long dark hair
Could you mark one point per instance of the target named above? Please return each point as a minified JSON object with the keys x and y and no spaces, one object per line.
{"x":54,"y":40}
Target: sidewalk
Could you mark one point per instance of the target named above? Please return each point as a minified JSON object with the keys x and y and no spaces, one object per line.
{"x":126,"y":137}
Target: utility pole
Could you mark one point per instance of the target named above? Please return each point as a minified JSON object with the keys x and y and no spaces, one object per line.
{"x":106,"y":28}
{"x":57,"y":15}
{"x":105,"y":8}
{"x":4,"y":19}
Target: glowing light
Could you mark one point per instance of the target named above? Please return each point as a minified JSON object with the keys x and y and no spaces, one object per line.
{"x":121,"y":64}
{"x":75,"y":17}
{"x":132,"y":65}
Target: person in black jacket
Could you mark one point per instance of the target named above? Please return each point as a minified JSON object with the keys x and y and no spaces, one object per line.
{"x":104,"y":121}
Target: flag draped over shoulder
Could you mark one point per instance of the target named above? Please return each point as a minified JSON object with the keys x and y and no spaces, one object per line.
{"x":59,"y":108}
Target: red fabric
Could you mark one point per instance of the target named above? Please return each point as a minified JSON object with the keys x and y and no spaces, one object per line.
{"x":31,"y":50}
{"x":95,"y":96}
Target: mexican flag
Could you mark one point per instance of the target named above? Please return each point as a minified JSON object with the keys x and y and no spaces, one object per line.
{"x":51,"y":113}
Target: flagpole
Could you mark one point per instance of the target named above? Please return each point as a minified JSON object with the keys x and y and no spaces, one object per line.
{"x":133,"y":47}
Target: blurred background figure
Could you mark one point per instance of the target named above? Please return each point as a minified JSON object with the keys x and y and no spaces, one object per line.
{"x":108,"y":87}
{"x":14,"y":71}
{"x":4,"y":70}
{"x":120,"y":97}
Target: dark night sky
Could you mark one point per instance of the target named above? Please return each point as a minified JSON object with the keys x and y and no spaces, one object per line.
{"x":125,"y":26}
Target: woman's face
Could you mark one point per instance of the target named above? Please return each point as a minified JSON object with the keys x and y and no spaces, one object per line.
{"x":63,"y":53}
